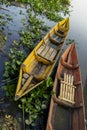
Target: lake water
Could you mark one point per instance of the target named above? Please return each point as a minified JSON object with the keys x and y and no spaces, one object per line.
{"x":78,"y":32}
{"x":11,"y":30}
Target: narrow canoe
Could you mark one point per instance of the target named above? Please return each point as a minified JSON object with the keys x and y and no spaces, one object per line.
{"x":40,"y":62}
{"x":67,"y":105}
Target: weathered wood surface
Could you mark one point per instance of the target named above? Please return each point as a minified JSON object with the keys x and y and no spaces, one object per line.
{"x":47,"y":52}
{"x":67,"y":89}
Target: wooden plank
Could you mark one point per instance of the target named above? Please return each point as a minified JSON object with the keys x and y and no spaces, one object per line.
{"x":68,"y":100}
{"x":54,"y":40}
{"x":26,"y":85}
{"x":47,"y":56}
{"x":46,"y":49}
{"x":64,"y":77}
{"x":47,"y":52}
{"x":23,"y":81}
{"x":61,"y":90}
{"x":75,"y":120}
{"x":37,"y":69}
{"x":68,"y":89}
{"x":42,"y":69}
{"x":39,"y":51}
{"x":73,"y":93}
{"x":53,"y":55}
{"x":34,"y":64}
{"x":68,"y":84}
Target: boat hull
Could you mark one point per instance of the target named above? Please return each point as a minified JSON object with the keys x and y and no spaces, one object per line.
{"x":41,"y":61}
{"x":67,"y":106}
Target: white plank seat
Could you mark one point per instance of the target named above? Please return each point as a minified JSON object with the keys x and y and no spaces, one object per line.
{"x":47,"y":52}
{"x":67,"y":89}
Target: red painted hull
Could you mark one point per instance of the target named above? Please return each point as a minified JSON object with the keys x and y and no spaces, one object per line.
{"x":76,"y":121}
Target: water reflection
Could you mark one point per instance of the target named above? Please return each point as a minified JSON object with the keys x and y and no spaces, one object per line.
{"x":11,"y":29}
{"x":78,"y":32}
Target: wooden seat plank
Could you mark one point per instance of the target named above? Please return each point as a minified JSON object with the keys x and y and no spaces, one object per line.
{"x":47,"y":56}
{"x":46,"y":49}
{"x":47,"y":52}
{"x":42,"y":70}
{"x":67,"y":89}
{"x":53,"y":55}
{"x":39,"y":51}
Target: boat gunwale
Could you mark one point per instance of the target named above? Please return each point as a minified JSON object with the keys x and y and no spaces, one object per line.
{"x":51,"y":65}
{"x":55,"y":100}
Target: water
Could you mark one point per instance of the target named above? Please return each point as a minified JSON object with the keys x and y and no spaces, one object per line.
{"x":78,"y":32}
{"x":11,"y":30}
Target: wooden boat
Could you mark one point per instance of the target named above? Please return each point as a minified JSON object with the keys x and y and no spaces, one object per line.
{"x":67,"y":106}
{"x":40,"y":62}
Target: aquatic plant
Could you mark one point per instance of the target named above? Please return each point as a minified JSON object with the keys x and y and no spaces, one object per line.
{"x":12,"y":66}
{"x":7,"y":2}
{"x":3,"y":39}
{"x":10,"y":88}
{"x":35,"y":30}
{"x":51,"y":9}
{"x":36,"y":101}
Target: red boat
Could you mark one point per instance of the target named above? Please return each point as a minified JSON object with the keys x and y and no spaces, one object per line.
{"x":66,"y":110}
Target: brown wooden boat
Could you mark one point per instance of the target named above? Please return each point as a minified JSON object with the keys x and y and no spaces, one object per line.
{"x":67,"y":105}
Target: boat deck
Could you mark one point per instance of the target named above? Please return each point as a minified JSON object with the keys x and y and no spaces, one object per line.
{"x":62,"y":118}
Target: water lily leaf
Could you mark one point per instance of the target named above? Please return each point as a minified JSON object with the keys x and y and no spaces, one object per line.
{"x":23,"y":100}
{"x":27,"y":122}
{"x":20,"y":106}
{"x":44,"y":106}
{"x":18,"y":62}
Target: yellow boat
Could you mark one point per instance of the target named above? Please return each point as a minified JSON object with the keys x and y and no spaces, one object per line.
{"x":40,"y":62}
